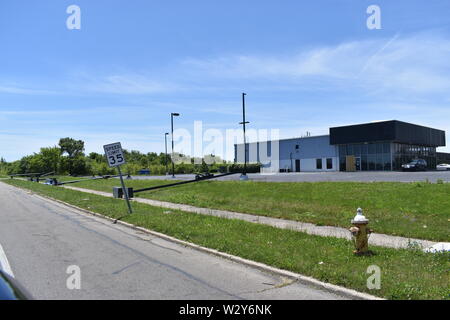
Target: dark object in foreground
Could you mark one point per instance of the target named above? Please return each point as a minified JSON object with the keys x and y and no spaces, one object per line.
{"x":11,"y":290}
{"x":118,"y":192}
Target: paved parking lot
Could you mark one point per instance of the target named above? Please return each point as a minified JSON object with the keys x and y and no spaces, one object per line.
{"x":432,"y":176}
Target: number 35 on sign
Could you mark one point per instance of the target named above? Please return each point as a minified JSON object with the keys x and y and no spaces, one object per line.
{"x":114,"y":154}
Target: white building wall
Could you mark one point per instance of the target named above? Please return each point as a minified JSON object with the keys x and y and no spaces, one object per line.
{"x":306,"y":149}
{"x":310,"y":165}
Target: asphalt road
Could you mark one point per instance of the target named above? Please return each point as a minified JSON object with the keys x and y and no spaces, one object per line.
{"x":366,"y":176}
{"x":42,"y":239}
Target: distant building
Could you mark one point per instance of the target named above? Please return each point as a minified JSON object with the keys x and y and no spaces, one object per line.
{"x":378,"y":146}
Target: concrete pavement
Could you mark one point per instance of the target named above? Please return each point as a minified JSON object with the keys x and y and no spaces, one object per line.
{"x":43,"y":239}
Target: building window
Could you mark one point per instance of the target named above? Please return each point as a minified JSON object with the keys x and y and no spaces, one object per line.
{"x":296,"y":147}
{"x":350,"y":150}
{"x":371,"y":159}
{"x":386,"y":148}
{"x":364,"y":149}
{"x":403,"y":153}
{"x":329,"y":163}
{"x":372,"y":148}
{"x":357,"y":149}
{"x":364,"y":165}
{"x":319,"y":164}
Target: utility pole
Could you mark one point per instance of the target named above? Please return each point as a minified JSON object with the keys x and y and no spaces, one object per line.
{"x":173,"y":114}
{"x":244,"y":173}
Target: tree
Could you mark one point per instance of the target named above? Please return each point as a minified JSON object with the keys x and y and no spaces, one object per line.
{"x":51,"y":157}
{"x":74,"y":149}
{"x":96,"y":156}
{"x":71,"y":146}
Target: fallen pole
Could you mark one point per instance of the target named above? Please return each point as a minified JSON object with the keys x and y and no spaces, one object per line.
{"x":47,"y":174}
{"x":32,"y":176}
{"x":75,"y":181}
{"x":185,"y":182}
{"x":25,"y":175}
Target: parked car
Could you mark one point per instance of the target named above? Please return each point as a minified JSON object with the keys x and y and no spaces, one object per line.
{"x":415,"y":165}
{"x":443,"y":166}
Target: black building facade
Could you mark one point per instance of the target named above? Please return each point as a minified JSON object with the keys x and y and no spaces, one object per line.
{"x":443,"y":157}
{"x":386,"y":145}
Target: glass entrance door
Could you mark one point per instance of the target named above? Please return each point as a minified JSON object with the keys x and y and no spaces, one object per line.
{"x":358,"y":163}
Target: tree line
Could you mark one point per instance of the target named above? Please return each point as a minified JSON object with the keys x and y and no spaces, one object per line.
{"x":68,"y":158}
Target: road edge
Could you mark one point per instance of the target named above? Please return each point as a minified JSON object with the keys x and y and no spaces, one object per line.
{"x":342,"y":291}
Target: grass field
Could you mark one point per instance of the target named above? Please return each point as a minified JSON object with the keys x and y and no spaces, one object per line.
{"x":417,"y":210}
{"x":406,"y":274}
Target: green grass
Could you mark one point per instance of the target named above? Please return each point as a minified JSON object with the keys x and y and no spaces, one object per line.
{"x":416,"y":210}
{"x":406,"y":274}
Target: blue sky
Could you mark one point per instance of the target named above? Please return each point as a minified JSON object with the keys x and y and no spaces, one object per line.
{"x":305,"y":66}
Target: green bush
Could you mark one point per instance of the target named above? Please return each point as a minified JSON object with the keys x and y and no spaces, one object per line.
{"x":69,"y":158}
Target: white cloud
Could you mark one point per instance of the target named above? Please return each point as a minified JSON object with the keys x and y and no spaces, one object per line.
{"x":131,"y":84}
{"x":416,"y":64}
{"x":16,"y":89}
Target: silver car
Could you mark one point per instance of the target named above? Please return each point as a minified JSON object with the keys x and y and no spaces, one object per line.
{"x":443,"y":167}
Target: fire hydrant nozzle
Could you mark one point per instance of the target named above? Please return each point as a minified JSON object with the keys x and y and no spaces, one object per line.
{"x":360,"y":233}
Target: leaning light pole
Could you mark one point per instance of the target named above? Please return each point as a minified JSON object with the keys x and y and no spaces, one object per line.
{"x":173,"y":114}
{"x":244,"y":173}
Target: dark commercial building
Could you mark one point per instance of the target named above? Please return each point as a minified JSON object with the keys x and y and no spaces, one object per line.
{"x":385,"y":145}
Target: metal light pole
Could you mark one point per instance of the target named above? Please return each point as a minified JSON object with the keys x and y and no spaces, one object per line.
{"x":173,"y":114}
{"x":244,"y":173}
{"x":165,"y":160}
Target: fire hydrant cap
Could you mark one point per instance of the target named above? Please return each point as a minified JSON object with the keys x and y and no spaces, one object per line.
{"x":360,"y":218}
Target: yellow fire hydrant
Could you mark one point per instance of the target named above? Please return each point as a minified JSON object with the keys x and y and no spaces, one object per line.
{"x":360,"y":233}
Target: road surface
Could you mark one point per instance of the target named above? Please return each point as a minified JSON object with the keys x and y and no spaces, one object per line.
{"x":41,"y":240}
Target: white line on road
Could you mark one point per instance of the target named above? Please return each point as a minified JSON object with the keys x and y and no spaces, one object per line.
{"x":4,"y":264}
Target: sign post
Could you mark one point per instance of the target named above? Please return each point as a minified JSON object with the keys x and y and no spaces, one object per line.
{"x":115,"y":157}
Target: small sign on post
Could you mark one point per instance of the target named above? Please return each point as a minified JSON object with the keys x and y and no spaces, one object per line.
{"x":115,"y":157}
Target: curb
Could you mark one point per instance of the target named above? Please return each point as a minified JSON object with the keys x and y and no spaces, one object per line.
{"x":345,"y":292}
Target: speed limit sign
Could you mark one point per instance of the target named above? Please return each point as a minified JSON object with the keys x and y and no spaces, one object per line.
{"x":114,"y":154}
{"x":116,"y":158}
